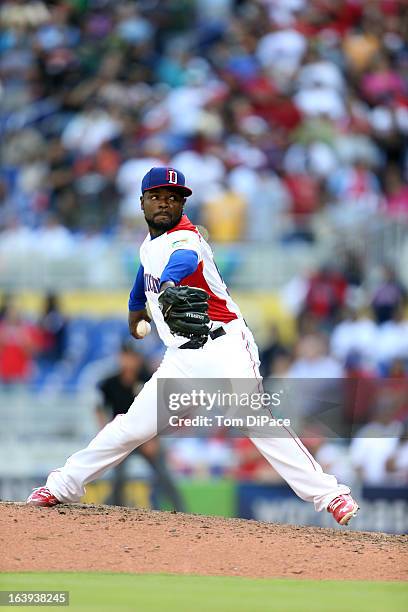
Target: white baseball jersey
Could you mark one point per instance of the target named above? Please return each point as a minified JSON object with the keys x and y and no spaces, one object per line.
{"x":154,"y":256}
{"x":233,"y":355}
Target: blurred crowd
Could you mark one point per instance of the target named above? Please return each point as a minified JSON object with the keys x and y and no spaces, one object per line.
{"x":278,"y":112}
{"x":353,"y":343}
{"x":27,"y":343}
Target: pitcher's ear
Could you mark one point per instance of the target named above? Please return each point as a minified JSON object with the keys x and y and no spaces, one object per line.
{"x":141,"y":202}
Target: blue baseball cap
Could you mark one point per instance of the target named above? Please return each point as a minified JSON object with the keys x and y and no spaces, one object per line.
{"x":165,"y":177}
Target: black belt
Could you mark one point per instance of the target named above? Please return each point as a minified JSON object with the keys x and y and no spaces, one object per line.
{"x":217,"y":333}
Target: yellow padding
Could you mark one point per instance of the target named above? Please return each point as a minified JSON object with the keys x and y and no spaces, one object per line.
{"x":260,"y":309}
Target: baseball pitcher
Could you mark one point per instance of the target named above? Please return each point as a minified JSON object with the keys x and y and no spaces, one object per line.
{"x":206,"y":337}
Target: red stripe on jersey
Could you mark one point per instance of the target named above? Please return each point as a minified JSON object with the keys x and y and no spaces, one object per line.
{"x":217,"y":307}
{"x":184,"y":224}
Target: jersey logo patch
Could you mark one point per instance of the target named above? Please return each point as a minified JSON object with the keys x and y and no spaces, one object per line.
{"x":176,"y":242}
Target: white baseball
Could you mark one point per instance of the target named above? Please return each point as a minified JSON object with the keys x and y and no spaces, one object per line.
{"x":143,"y":328}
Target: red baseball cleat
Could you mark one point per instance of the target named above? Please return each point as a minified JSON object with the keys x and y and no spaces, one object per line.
{"x":41,"y":496}
{"x":343,"y":508}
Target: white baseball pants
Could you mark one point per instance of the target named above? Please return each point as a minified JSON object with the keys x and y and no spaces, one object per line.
{"x":234,"y":355}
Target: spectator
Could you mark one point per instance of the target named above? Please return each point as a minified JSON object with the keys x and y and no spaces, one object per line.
{"x":331,"y":454}
{"x":382,"y":84}
{"x":281,"y":52}
{"x":307,"y":96}
{"x":360,"y":389}
{"x":317,"y":72}
{"x":206,"y":171}
{"x":267,"y":201}
{"x":397,"y":464}
{"x":19,"y":342}
{"x":396,"y":193}
{"x":361,"y":44}
{"x":376,"y":442}
{"x":312,"y":361}
{"x":396,"y":384}
{"x":251,"y":465}
{"x":56,"y":236}
{"x":60,"y":176}
{"x":305,"y":198}
{"x":326,"y":294}
{"x":6,"y":303}
{"x":356,"y":193}
{"x":88,"y":130}
{"x":392,"y":338}
{"x":201,"y":457}
{"x":388,"y":296}
{"x":272,"y":349}
{"x":280,"y":365}
{"x":353,"y":270}
{"x":224,"y":215}
{"x":53,"y":325}
{"x":355,"y":334}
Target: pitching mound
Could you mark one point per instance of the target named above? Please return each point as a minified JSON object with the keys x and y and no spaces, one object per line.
{"x":112,"y":539}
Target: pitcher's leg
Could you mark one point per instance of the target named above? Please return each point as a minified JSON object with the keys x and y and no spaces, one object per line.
{"x":293,"y":462}
{"x":287,"y":455}
{"x":109,"y":447}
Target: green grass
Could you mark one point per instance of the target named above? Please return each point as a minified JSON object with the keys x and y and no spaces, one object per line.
{"x":169,"y":593}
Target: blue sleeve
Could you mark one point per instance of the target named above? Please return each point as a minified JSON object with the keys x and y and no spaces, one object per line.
{"x":182,"y":263}
{"x":137,"y":298}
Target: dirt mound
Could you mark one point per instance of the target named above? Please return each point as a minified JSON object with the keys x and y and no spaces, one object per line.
{"x":104,"y":538}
